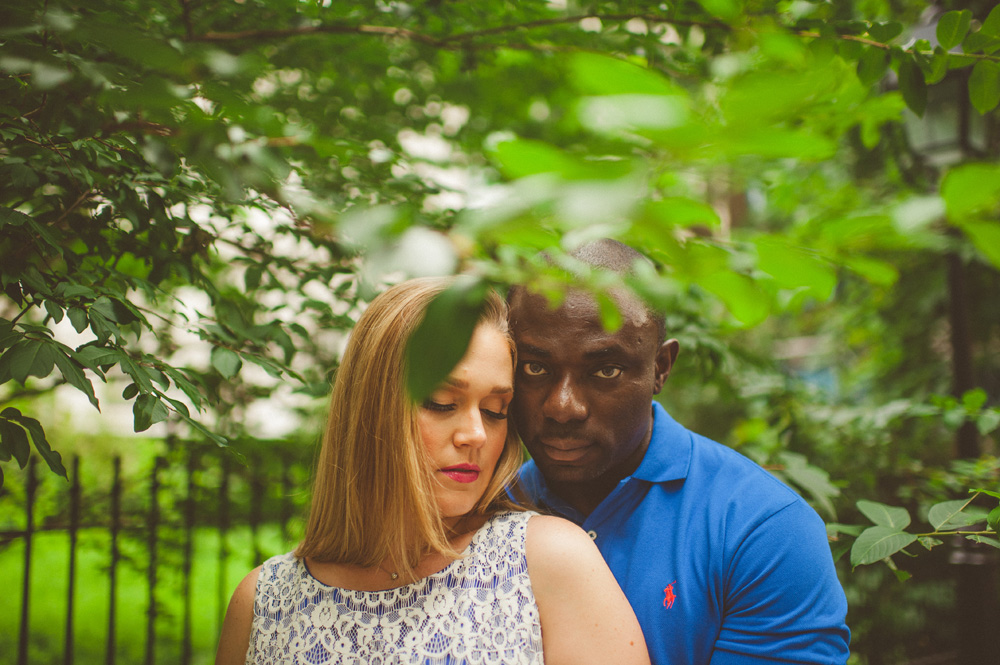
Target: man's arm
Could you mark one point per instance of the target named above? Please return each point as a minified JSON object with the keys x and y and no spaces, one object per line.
{"x":783,"y":601}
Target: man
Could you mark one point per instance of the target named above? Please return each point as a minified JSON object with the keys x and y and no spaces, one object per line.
{"x":723,"y":564}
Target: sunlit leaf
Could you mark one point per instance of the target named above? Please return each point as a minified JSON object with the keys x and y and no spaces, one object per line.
{"x":971,"y":188}
{"x":741,"y":296}
{"x":595,"y":74}
{"x":948,"y":515}
{"x":793,"y":267}
{"x":440,"y":341}
{"x":991,"y":26}
{"x":226,"y":362}
{"x":891,"y":517}
{"x":878,"y":542}
{"x":952,"y":28}
{"x":984,"y":86}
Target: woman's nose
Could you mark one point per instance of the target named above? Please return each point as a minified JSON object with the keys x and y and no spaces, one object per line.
{"x":471,"y":430}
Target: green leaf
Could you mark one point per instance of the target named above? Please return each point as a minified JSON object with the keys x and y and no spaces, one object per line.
{"x":929,"y":543}
{"x":75,"y":377}
{"x":740,"y":294}
{"x":226,"y":362}
{"x":891,"y":517}
{"x":51,"y":457}
{"x":11,"y":217}
{"x":28,"y":358}
{"x":727,"y":10}
{"x":131,"y":390}
{"x":679,"y":211}
{"x":54,"y":310}
{"x":440,"y":341}
{"x":913,"y":86}
{"x":971,"y":189}
{"x":948,"y":515}
{"x":792,"y":267}
{"x":139,"y":375}
{"x":885,"y":32}
{"x":872,"y":65}
{"x":991,"y":26}
{"x":984,"y":86}
{"x":594,"y":74}
{"x":980,"y":490}
{"x":147,"y":411}
{"x":993,"y":519}
{"x":94,"y":357}
{"x":812,"y":479}
{"x":985,"y":236}
{"x":78,"y":318}
{"x":14,"y":439}
{"x":988,"y":421}
{"x":878,"y":542}
{"x":952,"y":28}
{"x":985,"y":540}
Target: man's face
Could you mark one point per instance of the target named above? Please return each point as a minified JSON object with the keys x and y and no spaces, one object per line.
{"x":583,"y":395}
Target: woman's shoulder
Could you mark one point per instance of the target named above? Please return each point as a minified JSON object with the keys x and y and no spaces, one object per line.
{"x":552,"y":538}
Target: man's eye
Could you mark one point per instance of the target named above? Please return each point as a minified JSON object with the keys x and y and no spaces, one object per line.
{"x":533,"y":369}
{"x":609,"y":372}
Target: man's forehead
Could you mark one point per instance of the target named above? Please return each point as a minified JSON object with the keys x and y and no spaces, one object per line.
{"x":578,"y":305}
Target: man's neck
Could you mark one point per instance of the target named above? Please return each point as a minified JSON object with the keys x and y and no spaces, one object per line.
{"x":585,"y":497}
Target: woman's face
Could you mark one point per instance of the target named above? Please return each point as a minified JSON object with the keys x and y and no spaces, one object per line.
{"x":464,"y":423}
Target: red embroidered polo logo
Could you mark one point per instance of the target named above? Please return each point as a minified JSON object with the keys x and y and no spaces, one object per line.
{"x":668,"y":595}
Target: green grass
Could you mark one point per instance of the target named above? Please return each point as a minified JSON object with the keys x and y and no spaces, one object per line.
{"x":49,"y":583}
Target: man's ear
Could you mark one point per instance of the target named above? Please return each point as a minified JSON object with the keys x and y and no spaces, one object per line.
{"x":665,"y":357}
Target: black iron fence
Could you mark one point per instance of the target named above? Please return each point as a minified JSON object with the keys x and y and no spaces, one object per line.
{"x":166,"y":510}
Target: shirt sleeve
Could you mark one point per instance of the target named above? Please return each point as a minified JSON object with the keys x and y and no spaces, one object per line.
{"x":783,"y":602}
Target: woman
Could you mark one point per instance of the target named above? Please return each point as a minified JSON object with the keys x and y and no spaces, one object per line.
{"x":413,"y":552}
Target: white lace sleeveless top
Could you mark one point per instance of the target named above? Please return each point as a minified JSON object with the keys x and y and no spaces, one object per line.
{"x":478,"y":609}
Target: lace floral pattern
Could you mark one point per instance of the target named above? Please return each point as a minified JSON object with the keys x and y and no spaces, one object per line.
{"x":479,"y":609}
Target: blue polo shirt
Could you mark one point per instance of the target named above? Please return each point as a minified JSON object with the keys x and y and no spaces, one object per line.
{"x":722,"y":563}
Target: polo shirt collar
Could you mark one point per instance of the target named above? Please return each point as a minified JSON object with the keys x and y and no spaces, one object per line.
{"x":670,"y":448}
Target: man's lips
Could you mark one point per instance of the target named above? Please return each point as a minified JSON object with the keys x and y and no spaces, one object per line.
{"x":462,"y":473}
{"x":564,"y":450}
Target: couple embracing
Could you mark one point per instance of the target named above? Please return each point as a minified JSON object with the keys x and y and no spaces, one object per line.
{"x":417,"y":552}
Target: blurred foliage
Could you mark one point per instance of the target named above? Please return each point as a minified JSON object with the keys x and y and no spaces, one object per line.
{"x":197,"y":199}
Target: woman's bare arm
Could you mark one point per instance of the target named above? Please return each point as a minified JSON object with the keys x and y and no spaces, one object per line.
{"x":235,"y":638}
{"x":584,"y":614}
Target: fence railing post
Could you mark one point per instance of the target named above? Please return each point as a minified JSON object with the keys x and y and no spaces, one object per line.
{"x":116,"y":509}
{"x":223,"y":590}
{"x":189,"y":508}
{"x":29,"y":514}
{"x":152,"y":524}
{"x":74,"y":526}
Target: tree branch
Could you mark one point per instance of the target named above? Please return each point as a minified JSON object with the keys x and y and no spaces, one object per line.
{"x":444,"y":41}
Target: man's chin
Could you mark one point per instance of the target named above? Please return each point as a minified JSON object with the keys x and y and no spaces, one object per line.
{"x":560,"y":472}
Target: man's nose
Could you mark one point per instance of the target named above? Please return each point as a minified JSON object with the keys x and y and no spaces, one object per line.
{"x":564,"y":403}
{"x":471,"y":430}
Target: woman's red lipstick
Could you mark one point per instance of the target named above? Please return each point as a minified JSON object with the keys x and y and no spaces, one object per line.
{"x":462,"y":473}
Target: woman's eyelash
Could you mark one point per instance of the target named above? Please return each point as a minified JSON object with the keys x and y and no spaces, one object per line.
{"x":436,"y":406}
{"x":496,"y":415}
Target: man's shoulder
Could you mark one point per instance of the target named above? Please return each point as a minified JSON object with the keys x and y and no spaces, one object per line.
{"x":725,"y":476}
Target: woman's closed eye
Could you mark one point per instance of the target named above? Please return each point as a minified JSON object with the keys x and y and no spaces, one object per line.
{"x":431,"y":405}
{"x":496,"y":415}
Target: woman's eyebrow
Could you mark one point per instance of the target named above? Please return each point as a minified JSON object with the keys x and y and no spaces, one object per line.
{"x":461,"y":384}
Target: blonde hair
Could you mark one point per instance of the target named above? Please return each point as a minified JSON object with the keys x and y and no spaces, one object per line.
{"x":373,"y":497}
